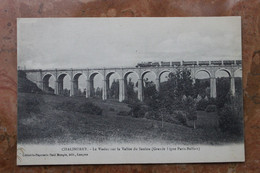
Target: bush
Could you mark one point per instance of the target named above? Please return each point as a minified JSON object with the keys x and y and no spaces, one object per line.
{"x":171,"y":118}
{"x":231,"y":120}
{"x":112,"y":109}
{"x":151,"y":115}
{"x":202,"y":105}
{"x":90,"y":108}
{"x":32,"y":106}
{"x":67,"y":106}
{"x":137,"y":110}
{"x":123,"y":113}
{"x":86,"y":107}
{"x":211,"y":108}
{"x":181,"y":116}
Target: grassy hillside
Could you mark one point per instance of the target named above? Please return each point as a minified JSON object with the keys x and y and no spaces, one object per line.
{"x":39,"y":121}
{"x":25,"y":85}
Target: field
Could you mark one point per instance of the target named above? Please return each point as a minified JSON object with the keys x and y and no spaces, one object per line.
{"x":41,"y":122}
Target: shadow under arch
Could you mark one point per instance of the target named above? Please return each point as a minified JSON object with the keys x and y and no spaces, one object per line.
{"x":112,"y":92}
{"x":238,"y":81}
{"x":92,"y":83}
{"x":224,"y":83}
{"x":46,"y":83}
{"x":76,"y":80}
{"x":60,"y":81}
{"x":202,"y":84}
{"x":163,"y":72}
{"x":129,"y":85}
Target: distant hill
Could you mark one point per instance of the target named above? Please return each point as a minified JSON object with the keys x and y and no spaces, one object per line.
{"x":25,"y":85}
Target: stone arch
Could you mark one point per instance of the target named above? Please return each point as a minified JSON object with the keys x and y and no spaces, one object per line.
{"x":75,"y":84}
{"x":203,"y":70}
{"x":45,"y":82}
{"x":93,"y":74}
{"x":91,"y":83}
{"x":62,"y":75}
{"x":77,"y":75}
{"x":111,"y":73}
{"x":112,"y":93}
{"x":47,"y":76}
{"x":204,"y":85}
{"x":227,"y":82}
{"x":60,"y":82}
{"x":225,"y":70}
{"x":236,"y":71}
{"x":125,"y":89}
{"x":149,"y":83}
{"x":162,"y":72}
{"x":129,"y":72}
{"x":148,"y":71}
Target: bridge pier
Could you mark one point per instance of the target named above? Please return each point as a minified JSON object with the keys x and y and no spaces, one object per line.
{"x":157,"y":84}
{"x":121,"y":90}
{"x":56,"y":89}
{"x":232,"y":86}
{"x":140,"y":89}
{"x":45,"y":85}
{"x":88,"y":89}
{"x":60,"y":87}
{"x":72,"y":91}
{"x":213,"y":92}
{"x":104,"y":95}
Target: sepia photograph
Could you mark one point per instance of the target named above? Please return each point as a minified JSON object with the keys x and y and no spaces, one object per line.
{"x":129,"y":90}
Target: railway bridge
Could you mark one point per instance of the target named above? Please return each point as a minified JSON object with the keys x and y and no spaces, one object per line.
{"x":41,"y":77}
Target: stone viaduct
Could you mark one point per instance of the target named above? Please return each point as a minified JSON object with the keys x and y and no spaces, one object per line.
{"x":41,"y":77}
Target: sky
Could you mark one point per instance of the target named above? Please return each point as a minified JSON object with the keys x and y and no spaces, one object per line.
{"x":115,"y":42}
{"x":48,"y":43}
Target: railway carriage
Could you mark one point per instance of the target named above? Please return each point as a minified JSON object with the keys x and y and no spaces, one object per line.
{"x":216,"y":62}
{"x":189,"y":63}
{"x":228,"y":62}
{"x":203,"y":63}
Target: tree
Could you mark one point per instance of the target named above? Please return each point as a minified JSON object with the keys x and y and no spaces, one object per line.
{"x":223,"y":91}
{"x":65,"y":92}
{"x":131,"y":94}
{"x":201,"y":87}
{"x":172,"y":91}
{"x":114,"y":90}
{"x":169,"y":99}
{"x":98,"y":92}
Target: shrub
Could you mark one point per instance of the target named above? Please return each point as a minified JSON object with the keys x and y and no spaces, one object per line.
{"x":190,"y":108}
{"x":137,"y":110}
{"x":67,"y":106}
{"x":151,"y":115}
{"x":231,"y":120}
{"x":112,"y":109}
{"x":171,"y":118}
{"x":86,"y":107}
{"x":90,"y":108}
{"x":123,"y":113}
{"x":211,"y":108}
{"x":32,"y":105}
{"x":202,"y":104}
{"x":181,"y":116}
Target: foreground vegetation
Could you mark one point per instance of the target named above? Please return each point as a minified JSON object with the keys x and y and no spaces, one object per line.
{"x":179,"y":113}
{"x":42,"y":122}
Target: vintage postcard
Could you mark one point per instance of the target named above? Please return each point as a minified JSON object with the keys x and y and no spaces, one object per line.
{"x":129,"y":90}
